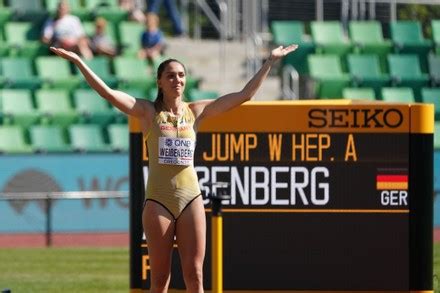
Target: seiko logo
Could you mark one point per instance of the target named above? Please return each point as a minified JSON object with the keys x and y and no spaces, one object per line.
{"x":355,"y":118}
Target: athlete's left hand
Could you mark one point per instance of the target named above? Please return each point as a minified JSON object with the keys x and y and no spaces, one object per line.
{"x":281,"y":51}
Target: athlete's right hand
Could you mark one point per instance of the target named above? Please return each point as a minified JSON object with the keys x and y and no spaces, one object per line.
{"x":69,"y":55}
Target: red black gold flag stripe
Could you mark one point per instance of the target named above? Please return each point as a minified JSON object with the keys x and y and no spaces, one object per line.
{"x":392,"y":182}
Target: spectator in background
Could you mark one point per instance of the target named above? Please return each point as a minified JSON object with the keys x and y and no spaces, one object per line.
{"x":152,"y":39}
{"x":134,"y":9}
{"x":100,"y":42}
{"x":173,"y":13}
{"x":66,"y":31}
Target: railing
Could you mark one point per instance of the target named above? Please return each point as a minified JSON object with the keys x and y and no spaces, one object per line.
{"x":50,"y":196}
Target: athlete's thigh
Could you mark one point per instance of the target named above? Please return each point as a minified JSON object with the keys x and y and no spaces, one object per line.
{"x":159,"y":227}
{"x":191,"y":234}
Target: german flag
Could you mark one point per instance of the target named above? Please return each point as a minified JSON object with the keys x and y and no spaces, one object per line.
{"x":391,"y":182}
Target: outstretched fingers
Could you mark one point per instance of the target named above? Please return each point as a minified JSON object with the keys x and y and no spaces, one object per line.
{"x":290,"y":48}
{"x":64,"y":53}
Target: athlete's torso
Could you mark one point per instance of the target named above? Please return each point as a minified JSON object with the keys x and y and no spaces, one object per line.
{"x":172,"y":179}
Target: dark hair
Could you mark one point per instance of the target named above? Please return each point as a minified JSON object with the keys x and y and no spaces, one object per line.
{"x":158,"y":103}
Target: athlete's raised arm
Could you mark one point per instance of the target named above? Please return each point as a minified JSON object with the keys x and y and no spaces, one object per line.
{"x":208,"y":108}
{"x":124,"y":102}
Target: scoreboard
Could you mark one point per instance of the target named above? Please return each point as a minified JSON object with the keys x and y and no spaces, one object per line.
{"x":325,"y":196}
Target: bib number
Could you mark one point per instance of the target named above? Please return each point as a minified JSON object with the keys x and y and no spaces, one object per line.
{"x":176,"y":151}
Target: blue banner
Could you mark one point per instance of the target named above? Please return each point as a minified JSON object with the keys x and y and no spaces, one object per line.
{"x":57,"y":173}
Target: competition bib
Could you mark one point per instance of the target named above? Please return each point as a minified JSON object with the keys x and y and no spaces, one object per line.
{"x":176,"y":151}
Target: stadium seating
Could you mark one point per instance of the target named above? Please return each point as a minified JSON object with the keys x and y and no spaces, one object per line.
{"x":405,"y":71}
{"x":329,"y":38}
{"x":365,"y":72}
{"x":432,"y":96}
{"x":5,"y":15}
{"x":13,"y":140}
{"x":25,"y":10}
{"x":48,"y":139}
{"x":23,"y":39}
{"x":18,"y":73}
{"x":292,"y":32}
{"x":130,"y":37}
{"x":118,"y":137}
{"x":398,"y":95}
{"x":101,"y":67}
{"x":435,"y":25}
{"x":326,"y":70}
{"x":17,"y":108}
{"x":56,"y":72}
{"x":54,"y":107}
{"x":366,"y":94}
{"x":368,"y":37}
{"x":434,"y":69}
{"x":133,"y":73}
{"x":408,"y":39}
{"x":92,"y":108}
{"x":197,"y":94}
{"x":87,"y":138}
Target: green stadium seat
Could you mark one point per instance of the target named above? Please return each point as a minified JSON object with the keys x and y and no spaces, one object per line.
{"x":432,"y":96}
{"x":366,"y":94}
{"x":13,"y":140}
{"x":26,"y":10}
{"x":118,"y":137}
{"x":4,"y":48}
{"x":17,"y":107}
{"x":48,"y":139}
{"x":368,"y":37}
{"x":329,"y":37}
{"x":130,"y":37}
{"x":101,"y":67}
{"x":398,"y":95}
{"x":23,"y":39}
{"x":408,"y":39}
{"x":54,"y":107}
{"x":5,"y":15}
{"x":435,"y":26}
{"x":326,"y":70}
{"x":96,"y":4}
{"x":87,"y":138}
{"x":56,"y":72}
{"x":113,"y":14}
{"x":92,"y":108}
{"x":286,"y":32}
{"x":120,"y":117}
{"x":405,"y":72}
{"x":365,"y":71}
{"x":18,"y":73}
{"x":434,"y":69}
{"x":136,"y":93}
{"x":197,"y":94}
{"x":437,"y":135}
{"x":133,"y":73}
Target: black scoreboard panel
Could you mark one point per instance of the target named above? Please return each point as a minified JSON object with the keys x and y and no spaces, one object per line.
{"x":324,"y":198}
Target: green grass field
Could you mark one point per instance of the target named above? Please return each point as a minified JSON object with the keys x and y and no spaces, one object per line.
{"x":77,"y":269}
{"x":64,"y":270}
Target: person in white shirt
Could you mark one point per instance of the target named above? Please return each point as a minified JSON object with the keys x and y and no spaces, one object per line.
{"x":66,"y":31}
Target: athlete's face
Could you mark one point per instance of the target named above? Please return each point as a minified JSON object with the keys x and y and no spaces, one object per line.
{"x":172,"y":81}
